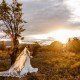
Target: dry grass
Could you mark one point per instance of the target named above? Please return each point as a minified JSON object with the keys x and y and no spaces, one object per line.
{"x":52,"y":66}
{"x":58,"y":66}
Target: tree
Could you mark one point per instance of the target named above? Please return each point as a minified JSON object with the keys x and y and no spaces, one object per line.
{"x":12,"y":24}
{"x":56,"y":46}
{"x":2,"y":45}
{"x":73,"y":45}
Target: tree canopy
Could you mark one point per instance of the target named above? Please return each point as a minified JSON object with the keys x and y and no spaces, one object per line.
{"x":11,"y":18}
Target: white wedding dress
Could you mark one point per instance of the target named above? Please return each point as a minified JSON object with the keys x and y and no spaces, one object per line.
{"x":21,"y":66}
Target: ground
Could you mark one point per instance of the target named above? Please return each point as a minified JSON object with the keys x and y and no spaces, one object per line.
{"x":52,"y":66}
{"x":58,"y":66}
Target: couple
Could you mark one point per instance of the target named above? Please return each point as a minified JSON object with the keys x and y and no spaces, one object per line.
{"x":21,"y":67}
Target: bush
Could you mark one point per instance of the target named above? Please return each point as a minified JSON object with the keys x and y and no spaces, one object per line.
{"x":73,"y":45}
{"x":56,"y":46}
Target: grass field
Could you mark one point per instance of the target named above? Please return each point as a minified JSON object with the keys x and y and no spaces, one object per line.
{"x":58,"y":66}
{"x":52,"y":66}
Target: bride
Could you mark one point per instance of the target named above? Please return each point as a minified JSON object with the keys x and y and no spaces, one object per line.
{"x":27,"y":66}
{"x":21,"y":67}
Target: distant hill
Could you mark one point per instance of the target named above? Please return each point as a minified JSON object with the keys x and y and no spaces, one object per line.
{"x":7,"y":43}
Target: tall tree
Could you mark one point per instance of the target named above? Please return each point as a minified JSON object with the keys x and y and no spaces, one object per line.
{"x":13,"y":24}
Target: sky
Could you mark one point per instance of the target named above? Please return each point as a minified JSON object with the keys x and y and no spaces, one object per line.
{"x":44,"y":16}
{"x":47,"y":16}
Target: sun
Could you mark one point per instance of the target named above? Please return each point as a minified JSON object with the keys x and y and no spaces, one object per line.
{"x":62,"y":35}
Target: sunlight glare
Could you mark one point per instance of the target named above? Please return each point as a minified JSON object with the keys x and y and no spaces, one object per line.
{"x":63,"y":35}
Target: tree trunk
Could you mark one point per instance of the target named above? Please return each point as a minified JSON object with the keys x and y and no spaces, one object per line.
{"x":15,"y":50}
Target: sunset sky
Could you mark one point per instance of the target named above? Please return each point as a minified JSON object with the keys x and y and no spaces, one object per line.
{"x":46,"y":18}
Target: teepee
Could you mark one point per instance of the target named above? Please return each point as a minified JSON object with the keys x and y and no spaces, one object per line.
{"x":21,"y":66}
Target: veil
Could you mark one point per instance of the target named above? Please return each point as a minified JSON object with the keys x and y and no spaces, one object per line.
{"x":21,"y":66}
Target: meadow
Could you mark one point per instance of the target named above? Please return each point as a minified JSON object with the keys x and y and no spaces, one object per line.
{"x":53,"y":61}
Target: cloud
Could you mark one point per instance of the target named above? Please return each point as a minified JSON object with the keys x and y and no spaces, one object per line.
{"x":74,"y":7}
{"x":44,"y":15}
